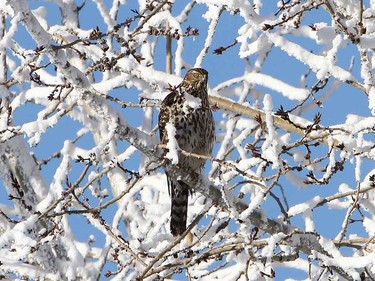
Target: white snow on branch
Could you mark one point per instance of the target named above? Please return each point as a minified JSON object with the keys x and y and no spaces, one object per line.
{"x":7,"y":38}
{"x":301,"y":208}
{"x":270,"y":146}
{"x":319,"y":64}
{"x":172,"y":144}
{"x":277,"y":85}
{"x":309,"y":221}
{"x":212,"y":15}
{"x":369,"y":225}
{"x":349,"y":264}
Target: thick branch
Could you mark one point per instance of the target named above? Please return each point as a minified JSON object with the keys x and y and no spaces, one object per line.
{"x":226,"y":104}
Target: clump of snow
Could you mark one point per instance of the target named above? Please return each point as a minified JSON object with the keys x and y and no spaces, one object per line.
{"x":369,"y":225}
{"x":255,"y":202}
{"x":191,"y":103}
{"x":325,"y":34}
{"x":270,"y":147}
{"x":40,"y":14}
{"x":303,"y":207}
{"x":172,"y":144}
{"x":268,"y":251}
{"x":318,"y":63}
{"x":309,"y":221}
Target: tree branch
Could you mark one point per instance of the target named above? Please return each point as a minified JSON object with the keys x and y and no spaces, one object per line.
{"x":256,"y":114}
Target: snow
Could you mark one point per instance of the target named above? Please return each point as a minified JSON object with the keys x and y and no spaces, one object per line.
{"x":211,"y":15}
{"x":7,"y":39}
{"x":238,"y":142}
{"x":325,"y":34}
{"x":349,"y":264}
{"x":40,"y":14}
{"x":358,"y":161}
{"x":303,"y":207}
{"x":316,"y":62}
{"x":172,"y":144}
{"x":34,"y":130}
{"x":191,"y":103}
{"x":369,"y":225}
{"x":355,"y":123}
{"x":109,"y":21}
{"x":270,"y":146}
{"x":24,"y":269}
{"x":19,"y":238}
{"x":273,"y":241}
{"x":256,"y":201}
{"x":309,"y":221}
{"x":230,"y":126}
{"x":286,"y":90}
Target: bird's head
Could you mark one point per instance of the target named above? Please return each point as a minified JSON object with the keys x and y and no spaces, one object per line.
{"x":197,"y":77}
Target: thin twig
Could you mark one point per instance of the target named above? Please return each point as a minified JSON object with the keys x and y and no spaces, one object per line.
{"x":67,"y":192}
{"x":349,"y":213}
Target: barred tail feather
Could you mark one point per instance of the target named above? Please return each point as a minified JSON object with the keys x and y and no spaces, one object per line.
{"x":179,"y":192}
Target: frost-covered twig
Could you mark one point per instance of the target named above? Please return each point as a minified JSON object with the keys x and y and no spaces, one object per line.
{"x":67,"y":192}
{"x":344,"y":194}
{"x":349,"y":213}
{"x":211,"y":31}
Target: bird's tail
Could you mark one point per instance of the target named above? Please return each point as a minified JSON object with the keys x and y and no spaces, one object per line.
{"x":179,"y":192}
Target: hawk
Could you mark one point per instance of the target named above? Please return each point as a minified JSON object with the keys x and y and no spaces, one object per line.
{"x":194,"y":132}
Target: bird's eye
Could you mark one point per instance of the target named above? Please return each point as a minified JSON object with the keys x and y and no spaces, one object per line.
{"x":196,"y":75}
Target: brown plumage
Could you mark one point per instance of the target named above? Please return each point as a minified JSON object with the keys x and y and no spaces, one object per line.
{"x":194,"y":133}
